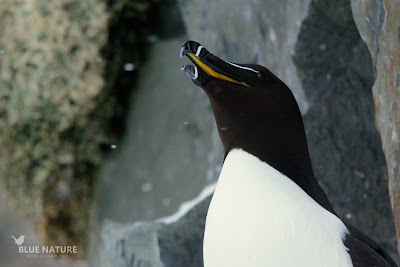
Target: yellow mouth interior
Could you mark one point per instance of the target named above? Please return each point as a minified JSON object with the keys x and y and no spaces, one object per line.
{"x":213,"y":73}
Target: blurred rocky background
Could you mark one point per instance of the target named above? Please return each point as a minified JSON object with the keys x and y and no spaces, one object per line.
{"x":66,"y":73}
{"x":102,"y":137}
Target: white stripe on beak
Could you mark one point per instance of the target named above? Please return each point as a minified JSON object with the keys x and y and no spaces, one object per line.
{"x":245,"y":68}
{"x":198,"y":50}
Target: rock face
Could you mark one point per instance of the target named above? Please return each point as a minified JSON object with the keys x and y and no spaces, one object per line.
{"x":379,"y":26}
{"x":336,"y":72}
{"x":181,"y":243}
{"x":60,"y":67}
{"x":163,"y":242}
{"x":170,"y":152}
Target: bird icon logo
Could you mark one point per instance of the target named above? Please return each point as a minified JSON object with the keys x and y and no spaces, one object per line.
{"x":20,"y":240}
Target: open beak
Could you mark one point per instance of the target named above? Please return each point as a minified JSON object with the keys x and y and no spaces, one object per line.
{"x":206,"y":65}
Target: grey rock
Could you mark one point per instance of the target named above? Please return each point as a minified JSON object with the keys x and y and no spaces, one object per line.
{"x":171,"y":142}
{"x":170,"y":152}
{"x":379,"y":26}
{"x":336,"y":72}
{"x":181,"y":243}
{"x":173,"y":241}
{"x":129,"y":245}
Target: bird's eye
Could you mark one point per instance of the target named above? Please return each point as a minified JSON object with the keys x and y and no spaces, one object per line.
{"x":262,"y":75}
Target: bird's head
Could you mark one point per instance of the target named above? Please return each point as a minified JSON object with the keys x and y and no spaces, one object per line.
{"x":254,"y":110}
{"x":209,"y":71}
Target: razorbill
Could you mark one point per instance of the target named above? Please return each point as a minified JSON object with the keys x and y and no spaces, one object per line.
{"x":268,"y":208}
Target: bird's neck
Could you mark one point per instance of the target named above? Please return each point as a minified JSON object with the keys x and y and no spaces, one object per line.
{"x":279,"y":141}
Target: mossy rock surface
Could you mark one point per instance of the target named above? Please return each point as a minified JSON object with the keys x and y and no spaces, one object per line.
{"x":62,"y":102}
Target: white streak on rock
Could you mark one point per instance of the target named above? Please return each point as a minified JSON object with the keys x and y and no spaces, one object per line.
{"x":186,"y":206}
